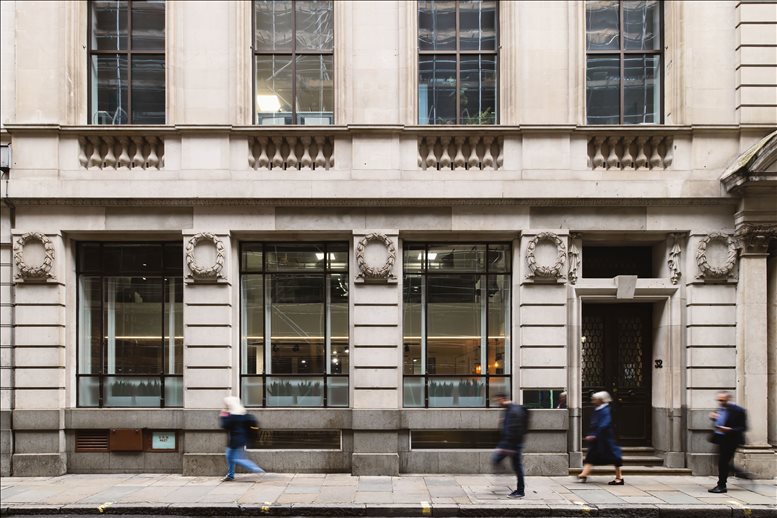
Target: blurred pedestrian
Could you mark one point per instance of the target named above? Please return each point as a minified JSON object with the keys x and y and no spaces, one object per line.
{"x":238,"y":423}
{"x":602,"y":450}
{"x":562,"y":400}
{"x":515,"y":423}
{"x":730,"y":423}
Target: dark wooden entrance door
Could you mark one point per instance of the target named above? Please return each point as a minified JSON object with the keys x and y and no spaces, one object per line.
{"x":615,"y":357}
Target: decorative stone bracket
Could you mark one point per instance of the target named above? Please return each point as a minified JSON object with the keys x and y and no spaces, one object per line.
{"x":673,"y":262}
{"x":121,"y":152}
{"x":755,"y":239}
{"x":371,"y":273}
{"x":630,"y":153}
{"x":27,"y":272}
{"x":200,"y":273}
{"x":305,"y":153}
{"x":721,"y":271}
{"x":551,"y":272}
{"x":460,"y":153}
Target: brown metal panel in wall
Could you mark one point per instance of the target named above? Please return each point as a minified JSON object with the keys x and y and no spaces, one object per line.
{"x":91,"y":440}
{"x":126,"y":439}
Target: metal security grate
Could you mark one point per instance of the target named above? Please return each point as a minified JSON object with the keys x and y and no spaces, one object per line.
{"x":91,"y":440}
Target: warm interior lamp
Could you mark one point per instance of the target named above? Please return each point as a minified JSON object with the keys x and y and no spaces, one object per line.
{"x":432,"y":256}
{"x":268,"y":103}
{"x":320,"y":256}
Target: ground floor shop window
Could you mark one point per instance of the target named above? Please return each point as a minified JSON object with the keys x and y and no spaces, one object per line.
{"x":130,"y":324}
{"x":456,"y":324}
{"x":294,"y":324}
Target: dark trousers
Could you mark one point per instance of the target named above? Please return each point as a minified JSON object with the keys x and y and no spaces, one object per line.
{"x":726,"y":453}
{"x":500,"y":455}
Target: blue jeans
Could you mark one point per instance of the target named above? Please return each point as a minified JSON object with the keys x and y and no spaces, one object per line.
{"x":500,"y":455}
{"x":237,"y":456}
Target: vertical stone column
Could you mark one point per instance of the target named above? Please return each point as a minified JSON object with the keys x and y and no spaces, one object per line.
{"x":541,"y":364}
{"x":752,"y":353}
{"x":710,"y":338}
{"x":38,"y":355}
{"x":208,"y":347}
{"x":771,"y":340}
{"x":6,"y":341}
{"x":376,"y":337}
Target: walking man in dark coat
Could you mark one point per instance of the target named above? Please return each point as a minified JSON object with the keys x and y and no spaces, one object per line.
{"x":730,"y":423}
{"x":514,"y":422}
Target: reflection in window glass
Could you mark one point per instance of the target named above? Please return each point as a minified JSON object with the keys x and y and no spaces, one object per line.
{"x":272,"y":24}
{"x":148,"y":90}
{"x":623,"y":72}
{"x":115,"y":56}
{"x":641,"y":80}
{"x":603,"y":89}
{"x":294,"y":297}
{"x":130,"y":324}
{"x":457,"y":62}
{"x":456,"y":324}
{"x":294,"y":58}
{"x":437,"y":89}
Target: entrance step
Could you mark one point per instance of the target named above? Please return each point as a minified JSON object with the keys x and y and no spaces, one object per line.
{"x":634,"y":471}
{"x":641,"y":457}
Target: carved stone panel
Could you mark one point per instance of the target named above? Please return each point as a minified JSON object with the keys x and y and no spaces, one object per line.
{"x":38,"y":271}
{"x":200,"y":272}
{"x":376,"y":272}
{"x":546,"y":272}
{"x":716,"y":270}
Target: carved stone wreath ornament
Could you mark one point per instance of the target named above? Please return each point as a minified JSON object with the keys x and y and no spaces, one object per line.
{"x":41,"y":271}
{"x":716,"y":272}
{"x":553,"y":271}
{"x":198,"y":272}
{"x":371,"y":272}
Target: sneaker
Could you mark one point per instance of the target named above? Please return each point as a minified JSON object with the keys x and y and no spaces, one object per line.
{"x":718,"y":489}
{"x":516,"y":494}
{"x":228,"y":479}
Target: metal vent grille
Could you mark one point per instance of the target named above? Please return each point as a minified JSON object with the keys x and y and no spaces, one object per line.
{"x":92,"y":440}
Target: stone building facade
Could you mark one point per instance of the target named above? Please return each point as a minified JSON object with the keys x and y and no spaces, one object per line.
{"x":368,"y":218}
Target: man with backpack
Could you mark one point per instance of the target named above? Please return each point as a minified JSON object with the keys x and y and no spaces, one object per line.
{"x":515,"y":423}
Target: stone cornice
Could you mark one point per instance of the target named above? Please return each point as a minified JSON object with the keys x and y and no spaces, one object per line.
{"x":380,"y":129}
{"x":383,"y":202}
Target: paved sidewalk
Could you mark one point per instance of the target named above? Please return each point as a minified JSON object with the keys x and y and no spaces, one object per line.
{"x":408,"y":495}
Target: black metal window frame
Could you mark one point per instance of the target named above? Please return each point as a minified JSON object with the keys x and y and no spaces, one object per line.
{"x":457,"y":53}
{"x":267,"y":341}
{"x":293,"y":57}
{"x":622,"y":53}
{"x":129,"y":52}
{"x":508,"y":272}
{"x":102,"y":275}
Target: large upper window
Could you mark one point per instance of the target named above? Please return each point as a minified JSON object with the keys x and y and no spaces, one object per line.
{"x":294,"y":324}
{"x":457,"y":62}
{"x":130,"y":324}
{"x":624,"y":62}
{"x":293,"y":62}
{"x":456,"y":324}
{"x":127,"y":62}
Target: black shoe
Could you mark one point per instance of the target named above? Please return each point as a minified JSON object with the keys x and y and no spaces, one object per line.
{"x":718,"y":489}
{"x":228,"y":479}
{"x":616,"y":482}
{"x":516,"y":494}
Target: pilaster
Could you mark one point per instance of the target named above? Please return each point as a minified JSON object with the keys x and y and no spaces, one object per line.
{"x":752,"y":348}
{"x":38,"y":350}
{"x":376,"y":336}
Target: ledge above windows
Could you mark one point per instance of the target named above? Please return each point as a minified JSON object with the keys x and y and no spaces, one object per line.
{"x":259,"y":161}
